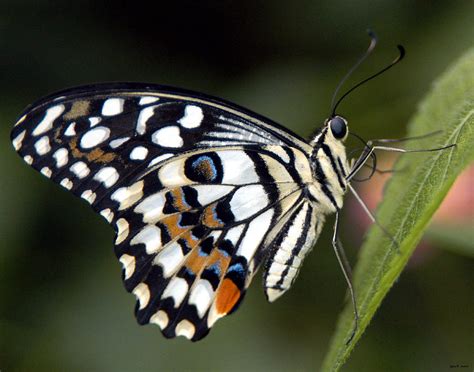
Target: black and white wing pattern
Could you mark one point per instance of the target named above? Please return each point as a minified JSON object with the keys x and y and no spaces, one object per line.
{"x":199,"y":191}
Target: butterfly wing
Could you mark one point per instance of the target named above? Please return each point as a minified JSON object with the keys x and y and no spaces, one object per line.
{"x":195,"y":188}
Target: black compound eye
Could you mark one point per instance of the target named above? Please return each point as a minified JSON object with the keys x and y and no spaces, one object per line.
{"x":338,"y":127}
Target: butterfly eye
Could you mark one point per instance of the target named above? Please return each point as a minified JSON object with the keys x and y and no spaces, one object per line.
{"x":338,"y":127}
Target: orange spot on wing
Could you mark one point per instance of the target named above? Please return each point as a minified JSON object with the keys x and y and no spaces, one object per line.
{"x":172,"y":226}
{"x":227,"y":296}
{"x":190,"y":240}
{"x":100,"y":156}
{"x":96,"y":155}
{"x":178,"y":200}
{"x":78,"y":109}
{"x":195,"y":262}
{"x":218,"y":257}
{"x":209,"y":217}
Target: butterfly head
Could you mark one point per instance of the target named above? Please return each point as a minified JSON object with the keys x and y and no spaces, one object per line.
{"x":337,"y":127}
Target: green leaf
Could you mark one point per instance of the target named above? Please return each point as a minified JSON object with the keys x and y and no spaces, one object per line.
{"x":411,"y":198}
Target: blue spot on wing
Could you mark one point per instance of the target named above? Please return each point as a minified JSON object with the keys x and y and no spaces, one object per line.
{"x":238,"y":268}
{"x":215,"y":268}
{"x":206,"y":162}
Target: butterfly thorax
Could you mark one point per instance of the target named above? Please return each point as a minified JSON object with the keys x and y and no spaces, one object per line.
{"x":330,"y":168}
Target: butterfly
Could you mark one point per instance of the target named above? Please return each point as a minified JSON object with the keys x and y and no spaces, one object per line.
{"x":201,"y":192}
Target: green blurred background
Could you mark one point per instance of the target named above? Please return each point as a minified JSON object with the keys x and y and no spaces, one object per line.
{"x":62,"y":303}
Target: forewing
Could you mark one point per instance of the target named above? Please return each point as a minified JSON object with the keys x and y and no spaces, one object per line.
{"x":93,"y":140}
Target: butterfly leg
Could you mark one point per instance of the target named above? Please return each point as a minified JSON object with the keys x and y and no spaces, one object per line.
{"x":372,"y":217}
{"x":369,"y":152}
{"x":346,"y":270}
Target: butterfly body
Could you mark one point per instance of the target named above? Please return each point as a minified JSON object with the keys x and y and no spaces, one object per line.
{"x":200,"y":192}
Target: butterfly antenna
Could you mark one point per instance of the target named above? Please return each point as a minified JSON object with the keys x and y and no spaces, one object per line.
{"x":401,"y":54}
{"x":373,"y":43}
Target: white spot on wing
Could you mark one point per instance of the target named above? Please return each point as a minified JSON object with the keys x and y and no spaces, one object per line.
{"x":47,"y":123}
{"x":247,"y":201}
{"x":192,"y":117}
{"x":145,"y":114}
{"x":142,"y":292}
{"x":176,"y":289}
{"x":42,"y":146}
{"x":160,"y":319}
{"x":168,"y":137}
{"x":61,"y":157}
{"x":171,"y":174}
{"x":185,"y":328}
{"x":118,"y":142}
{"x":28,"y":159}
{"x":209,"y":193}
{"x":66,"y":183}
{"x":94,"y":120}
{"x":122,"y":230}
{"x":139,"y":153}
{"x":112,"y":106}
{"x":233,"y":160}
{"x":128,"y":264}
{"x":21,"y":120}
{"x":147,"y":99}
{"x":89,"y":196}
{"x":169,"y":259}
{"x":150,"y":235}
{"x":46,"y":171}
{"x":127,"y":196}
{"x":234,"y":233}
{"x":213,"y":315}
{"x":80,"y":169}
{"x":108,"y":176}
{"x":94,"y":137}
{"x":201,"y":296}
{"x":71,"y":130}
{"x":17,"y":141}
{"x":257,"y":229}
{"x":107,"y":214}
{"x":159,"y":159}
{"x":151,"y":207}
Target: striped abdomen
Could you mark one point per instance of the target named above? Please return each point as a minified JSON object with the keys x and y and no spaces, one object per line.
{"x":290,"y":248}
